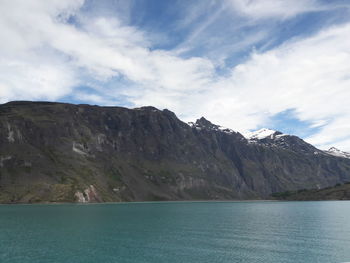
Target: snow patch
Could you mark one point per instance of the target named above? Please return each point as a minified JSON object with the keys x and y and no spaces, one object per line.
{"x":260,"y":134}
{"x":338,"y":153}
{"x":224,"y":129}
{"x":213,"y":127}
{"x":281,"y":135}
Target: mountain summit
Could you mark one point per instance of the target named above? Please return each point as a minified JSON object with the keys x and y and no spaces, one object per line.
{"x":336,"y":152}
{"x":262,"y":134}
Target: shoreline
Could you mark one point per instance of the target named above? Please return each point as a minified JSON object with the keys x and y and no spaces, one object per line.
{"x":167,"y":202}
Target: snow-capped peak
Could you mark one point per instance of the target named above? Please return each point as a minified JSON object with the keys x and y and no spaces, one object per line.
{"x":203,"y":123}
{"x":260,"y":134}
{"x":336,"y":152}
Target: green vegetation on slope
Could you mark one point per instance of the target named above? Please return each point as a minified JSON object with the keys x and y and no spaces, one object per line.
{"x":337,"y":192}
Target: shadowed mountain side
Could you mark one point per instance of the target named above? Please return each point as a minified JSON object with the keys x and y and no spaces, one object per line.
{"x":56,"y":152}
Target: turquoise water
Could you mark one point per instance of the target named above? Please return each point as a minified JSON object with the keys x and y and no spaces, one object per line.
{"x":176,"y":232}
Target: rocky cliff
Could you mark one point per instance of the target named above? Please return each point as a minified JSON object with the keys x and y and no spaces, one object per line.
{"x":56,"y":152}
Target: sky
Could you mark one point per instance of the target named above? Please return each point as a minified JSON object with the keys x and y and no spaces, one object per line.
{"x":242,"y":64}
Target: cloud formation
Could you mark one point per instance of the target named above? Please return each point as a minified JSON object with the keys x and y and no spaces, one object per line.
{"x":51,"y":49}
{"x":310,"y":76}
{"x":274,"y":8}
{"x":102,"y":47}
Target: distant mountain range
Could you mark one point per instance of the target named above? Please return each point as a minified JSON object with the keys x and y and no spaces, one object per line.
{"x":270,"y":137}
{"x":57,"y":152}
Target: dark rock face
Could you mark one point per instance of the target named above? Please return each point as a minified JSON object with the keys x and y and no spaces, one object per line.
{"x":56,"y":152}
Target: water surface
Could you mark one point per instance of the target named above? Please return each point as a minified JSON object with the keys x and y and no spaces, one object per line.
{"x":275,"y":232}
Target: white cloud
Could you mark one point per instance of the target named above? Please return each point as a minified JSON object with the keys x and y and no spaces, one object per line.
{"x":26,"y":80}
{"x":103,"y":47}
{"x":43,"y":57}
{"x":308,"y":75}
{"x":274,"y":8}
{"x":242,"y":22}
{"x":29,"y":69}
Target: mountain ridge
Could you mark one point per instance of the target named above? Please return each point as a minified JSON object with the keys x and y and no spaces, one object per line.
{"x":55,"y":152}
{"x":336,"y":152}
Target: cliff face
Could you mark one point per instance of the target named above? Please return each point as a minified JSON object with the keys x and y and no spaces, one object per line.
{"x":59,"y":152}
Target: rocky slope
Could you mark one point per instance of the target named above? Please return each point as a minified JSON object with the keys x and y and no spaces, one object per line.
{"x":337,"y":192}
{"x":56,"y":152}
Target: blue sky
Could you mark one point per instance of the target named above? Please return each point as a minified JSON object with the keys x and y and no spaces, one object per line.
{"x":243,"y":64}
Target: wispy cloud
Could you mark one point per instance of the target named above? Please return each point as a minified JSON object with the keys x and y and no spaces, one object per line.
{"x":281,"y":9}
{"x":51,"y":49}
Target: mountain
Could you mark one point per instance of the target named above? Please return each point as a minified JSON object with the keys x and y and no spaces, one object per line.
{"x":337,"y":192}
{"x":336,"y":152}
{"x":271,"y":138}
{"x":57,"y":152}
{"x":262,"y":134}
